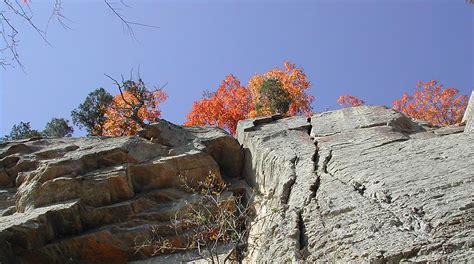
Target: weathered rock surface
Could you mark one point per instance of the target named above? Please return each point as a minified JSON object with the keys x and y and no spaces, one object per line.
{"x":363,"y":184}
{"x":91,"y":200}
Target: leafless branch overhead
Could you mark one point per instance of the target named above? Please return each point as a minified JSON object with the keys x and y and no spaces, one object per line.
{"x":12,"y":12}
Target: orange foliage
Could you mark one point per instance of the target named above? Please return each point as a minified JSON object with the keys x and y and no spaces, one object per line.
{"x":293,"y":80}
{"x":233,"y":102}
{"x":433,"y":103}
{"x":119,"y":122}
{"x":223,"y":108}
{"x":348,"y":100}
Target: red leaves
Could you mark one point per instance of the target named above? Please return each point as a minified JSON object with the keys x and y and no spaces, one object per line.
{"x":293,"y":80}
{"x":348,"y":100}
{"x":233,"y":102}
{"x":223,"y":108}
{"x":119,"y":121}
{"x":433,"y":103}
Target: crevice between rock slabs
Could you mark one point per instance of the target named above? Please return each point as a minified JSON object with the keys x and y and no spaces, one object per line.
{"x":315,"y":185}
{"x":302,"y":237}
{"x":326,"y":161}
{"x":288,"y":185}
{"x":314,"y":188}
{"x":286,"y":192}
{"x":384,"y":144}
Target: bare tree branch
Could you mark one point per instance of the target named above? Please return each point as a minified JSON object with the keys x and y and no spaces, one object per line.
{"x":57,"y":14}
{"x":126,"y":24}
{"x":136,"y":96}
{"x":20,"y":9}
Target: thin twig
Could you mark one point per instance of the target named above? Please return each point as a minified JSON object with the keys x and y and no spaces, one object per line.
{"x":127,"y":24}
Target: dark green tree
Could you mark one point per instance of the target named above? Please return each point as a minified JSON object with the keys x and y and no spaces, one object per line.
{"x":58,"y":127}
{"x":274,"y":97}
{"x":91,"y":113}
{"x":21,"y":131}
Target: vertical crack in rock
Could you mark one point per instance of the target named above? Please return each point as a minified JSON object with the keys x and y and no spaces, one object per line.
{"x":288,"y":185}
{"x":315,"y":186}
{"x":327,"y":159}
{"x":315,"y":159}
{"x":302,"y":238}
{"x":308,"y":131}
{"x":286,"y":192}
{"x":317,"y":183}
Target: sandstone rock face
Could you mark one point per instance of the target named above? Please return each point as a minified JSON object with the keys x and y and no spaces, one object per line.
{"x":363,"y":184}
{"x":91,"y":200}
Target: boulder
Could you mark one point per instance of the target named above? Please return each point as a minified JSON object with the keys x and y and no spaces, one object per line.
{"x":216,"y":142}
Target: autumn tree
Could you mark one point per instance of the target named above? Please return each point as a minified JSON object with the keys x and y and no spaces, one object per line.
{"x":293,"y":80}
{"x":230,"y":103}
{"x":134,"y":107}
{"x":276,"y":91}
{"x":433,"y":103}
{"x":22,"y":130}
{"x":348,"y":100}
{"x":91,"y":113}
{"x":58,"y":127}
{"x":273,"y":98}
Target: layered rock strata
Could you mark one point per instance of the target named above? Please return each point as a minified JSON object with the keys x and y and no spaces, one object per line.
{"x":93,"y":200}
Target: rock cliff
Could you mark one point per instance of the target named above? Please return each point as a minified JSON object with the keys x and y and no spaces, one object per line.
{"x":363,"y":184}
{"x":90,"y":200}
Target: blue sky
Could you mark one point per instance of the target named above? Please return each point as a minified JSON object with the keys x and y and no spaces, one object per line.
{"x":375,"y":50}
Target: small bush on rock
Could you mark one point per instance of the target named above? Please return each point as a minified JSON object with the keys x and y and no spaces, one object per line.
{"x":212,"y":219}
